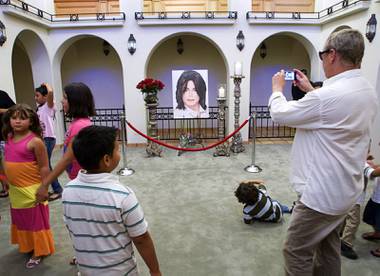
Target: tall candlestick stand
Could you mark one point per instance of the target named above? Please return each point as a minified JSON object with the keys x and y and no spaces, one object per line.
{"x":237,"y":141}
{"x":222,"y":149}
{"x":151,"y":103}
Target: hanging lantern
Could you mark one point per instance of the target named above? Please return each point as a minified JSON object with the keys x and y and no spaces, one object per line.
{"x":263,"y":50}
{"x":131,"y":44}
{"x":106,"y":48}
{"x":240,"y":40}
{"x":180,"y":46}
{"x":3,"y":36}
{"x":371,"y":28}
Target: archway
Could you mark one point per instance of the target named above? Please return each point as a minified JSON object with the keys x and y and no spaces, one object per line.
{"x":22,"y":75}
{"x":30,"y":66}
{"x":281,"y":51}
{"x":86,"y":59}
{"x":199,"y":54}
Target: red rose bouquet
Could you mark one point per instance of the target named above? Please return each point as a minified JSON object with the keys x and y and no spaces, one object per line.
{"x":149,"y":85}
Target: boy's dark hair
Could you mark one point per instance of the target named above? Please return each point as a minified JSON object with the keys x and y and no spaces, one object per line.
{"x":42,"y":90}
{"x":81,"y":101}
{"x":92,"y":143}
{"x":24,"y":111}
{"x":200,"y":87}
{"x":247,"y":193}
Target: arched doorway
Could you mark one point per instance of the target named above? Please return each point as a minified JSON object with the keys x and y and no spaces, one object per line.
{"x":166,"y":60}
{"x":280,"y":51}
{"x":30,"y":66}
{"x":93,"y":61}
{"x":22,"y":75}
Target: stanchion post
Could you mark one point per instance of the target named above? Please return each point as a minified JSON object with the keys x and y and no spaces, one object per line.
{"x":253,"y":168}
{"x":124,"y":171}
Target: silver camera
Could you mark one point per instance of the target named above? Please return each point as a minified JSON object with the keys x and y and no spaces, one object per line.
{"x":290,"y":75}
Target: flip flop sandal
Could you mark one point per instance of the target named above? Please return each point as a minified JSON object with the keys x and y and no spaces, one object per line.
{"x":32,"y":263}
{"x":369,"y":236}
{"x":4,"y":193}
{"x":376,"y":253}
{"x":73,"y":261}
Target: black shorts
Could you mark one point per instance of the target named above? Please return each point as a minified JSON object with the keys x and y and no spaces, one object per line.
{"x":371,"y":214}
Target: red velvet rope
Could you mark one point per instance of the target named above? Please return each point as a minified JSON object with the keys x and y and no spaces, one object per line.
{"x":187,"y":149}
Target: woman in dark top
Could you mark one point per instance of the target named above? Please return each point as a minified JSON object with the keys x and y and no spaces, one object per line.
{"x":5,"y":103}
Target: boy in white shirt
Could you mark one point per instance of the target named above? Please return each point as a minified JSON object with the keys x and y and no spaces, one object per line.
{"x":103,"y":216}
{"x":46,"y":110}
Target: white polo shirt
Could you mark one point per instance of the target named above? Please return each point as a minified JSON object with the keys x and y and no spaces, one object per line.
{"x":331,"y":142}
{"x":101,"y":216}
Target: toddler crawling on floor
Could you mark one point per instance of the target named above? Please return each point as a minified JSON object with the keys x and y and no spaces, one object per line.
{"x":257,"y":204}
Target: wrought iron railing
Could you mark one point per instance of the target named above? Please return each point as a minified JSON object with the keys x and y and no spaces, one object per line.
{"x":170,"y":128}
{"x":270,"y":15}
{"x":102,"y":16}
{"x":187,"y":15}
{"x":104,"y":117}
{"x":265,"y":127}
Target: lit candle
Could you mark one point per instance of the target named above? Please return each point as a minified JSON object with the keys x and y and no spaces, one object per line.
{"x":222,"y":92}
{"x":238,"y":69}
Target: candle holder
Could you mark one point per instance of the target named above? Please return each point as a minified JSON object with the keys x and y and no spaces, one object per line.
{"x":237,"y":141}
{"x":151,"y":103}
{"x":222,"y":149}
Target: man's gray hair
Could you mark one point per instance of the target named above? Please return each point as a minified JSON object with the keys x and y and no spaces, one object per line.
{"x":349,"y":44}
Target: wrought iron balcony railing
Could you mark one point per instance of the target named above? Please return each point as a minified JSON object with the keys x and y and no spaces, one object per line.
{"x":186,"y":15}
{"x":334,"y":9}
{"x":75,"y":17}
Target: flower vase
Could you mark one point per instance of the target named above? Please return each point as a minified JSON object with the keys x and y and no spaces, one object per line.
{"x":150,"y":97}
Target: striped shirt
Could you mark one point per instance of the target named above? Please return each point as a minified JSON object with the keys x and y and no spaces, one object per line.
{"x":101,"y":216}
{"x":265,"y":209}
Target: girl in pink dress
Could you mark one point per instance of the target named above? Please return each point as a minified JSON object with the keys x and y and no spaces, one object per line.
{"x":25,"y":165}
{"x":78,"y":104}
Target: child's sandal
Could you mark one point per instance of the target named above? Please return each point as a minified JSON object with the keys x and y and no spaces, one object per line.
{"x":73,"y":261}
{"x":32,"y":263}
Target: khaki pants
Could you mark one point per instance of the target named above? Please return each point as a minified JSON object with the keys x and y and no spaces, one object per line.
{"x":312,"y":246}
{"x":351,"y":225}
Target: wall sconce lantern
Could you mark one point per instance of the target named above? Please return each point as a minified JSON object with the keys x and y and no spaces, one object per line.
{"x":240,"y":40}
{"x":263,"y":50}
{"x":131,"y":44}
{"x":180,"y":46}
{"x":106,"y":48}
{"x":371,"y":28}
{"x":3,"y":36}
